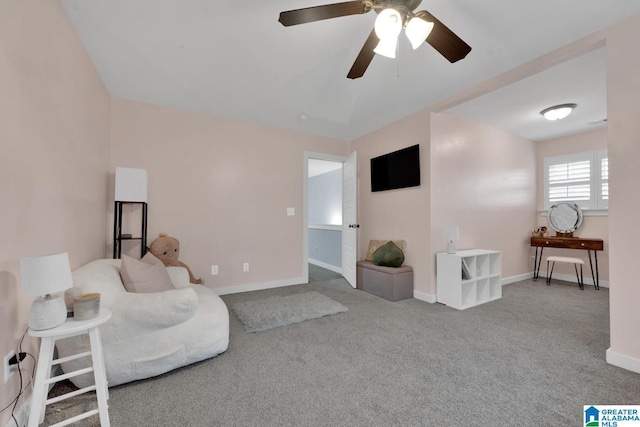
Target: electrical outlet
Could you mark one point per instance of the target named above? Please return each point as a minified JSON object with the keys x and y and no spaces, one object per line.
{"x":214,"y":270}
{"x":9,"y":370}
{"x":245,"y":267}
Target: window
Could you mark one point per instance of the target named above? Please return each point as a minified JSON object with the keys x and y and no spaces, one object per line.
{"x":582,"y":178}
{"x":603,"y":161}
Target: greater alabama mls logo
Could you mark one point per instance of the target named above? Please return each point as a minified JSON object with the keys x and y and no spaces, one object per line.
{"x":591,"y":417}
{"x":611,"y":415}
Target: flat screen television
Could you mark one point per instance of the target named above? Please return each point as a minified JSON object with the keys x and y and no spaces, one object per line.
{"x":399,"y":169}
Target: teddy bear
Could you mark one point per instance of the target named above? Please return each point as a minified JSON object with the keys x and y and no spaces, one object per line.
{"x":167,"y":250}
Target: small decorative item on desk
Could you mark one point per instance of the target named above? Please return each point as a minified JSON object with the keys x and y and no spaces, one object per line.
{"x":86,"y":306}
{"x":540,"y":232}
{"x":69,"y":295}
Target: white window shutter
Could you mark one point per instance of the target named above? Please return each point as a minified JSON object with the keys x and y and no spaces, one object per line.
{"x":582,"y":178}
{"x":602,"y":160}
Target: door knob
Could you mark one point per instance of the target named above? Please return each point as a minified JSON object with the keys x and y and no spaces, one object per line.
{"x":354,"y":225}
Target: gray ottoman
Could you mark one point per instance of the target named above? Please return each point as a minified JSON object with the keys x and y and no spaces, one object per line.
{"x":390,"y":283}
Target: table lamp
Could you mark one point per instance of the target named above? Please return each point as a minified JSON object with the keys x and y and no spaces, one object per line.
{"x":451,"y":234}
{"x":43,"y":276}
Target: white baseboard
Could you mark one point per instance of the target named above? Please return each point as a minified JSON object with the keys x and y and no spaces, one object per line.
{"x":505,"y":281}
{"x":543,"y":276}
{"x":517,"y":278}
{"x":22,"y":415}
{"x":325,"y":265}
{"x":572,"y":278}
{"x":430,"y":298}
{"x":258,"y":286}
{"x":275,"y":284}
{"x":624,"y":362}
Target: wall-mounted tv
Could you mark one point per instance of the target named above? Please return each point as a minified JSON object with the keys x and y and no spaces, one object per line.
{"x":399,"y":169}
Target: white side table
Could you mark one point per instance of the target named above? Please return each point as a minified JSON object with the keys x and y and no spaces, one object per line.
{"x":43,"y":378}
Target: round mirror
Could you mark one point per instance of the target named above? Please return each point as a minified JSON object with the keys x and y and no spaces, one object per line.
{"x":565,"y":217}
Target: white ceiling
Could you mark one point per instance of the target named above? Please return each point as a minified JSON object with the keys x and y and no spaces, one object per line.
{"x":235,"y":60}
{"x":517,"y":107}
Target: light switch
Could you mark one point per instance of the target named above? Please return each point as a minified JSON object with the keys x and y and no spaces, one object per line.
{"x":291,"y":211}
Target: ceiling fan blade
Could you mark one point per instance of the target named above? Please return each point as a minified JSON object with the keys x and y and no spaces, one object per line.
{"x":444,"y":40}
{"x":364,"y":57}
{"x":317,"y":13}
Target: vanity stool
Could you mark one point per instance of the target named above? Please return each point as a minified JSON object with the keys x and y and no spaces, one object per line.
{"x":569,"y":260}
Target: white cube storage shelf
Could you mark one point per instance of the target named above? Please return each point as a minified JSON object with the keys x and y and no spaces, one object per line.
{"x":482,"y":284}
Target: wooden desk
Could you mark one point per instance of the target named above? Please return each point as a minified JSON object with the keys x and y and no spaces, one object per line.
{"x":568,"y":243}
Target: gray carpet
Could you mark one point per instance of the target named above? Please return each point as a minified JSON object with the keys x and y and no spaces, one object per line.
{"x":269,"y":313}
{"x":321,"y":274}
{"x":536,"y":356}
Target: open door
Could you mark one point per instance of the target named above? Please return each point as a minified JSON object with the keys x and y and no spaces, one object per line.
{"x":349,"y":219}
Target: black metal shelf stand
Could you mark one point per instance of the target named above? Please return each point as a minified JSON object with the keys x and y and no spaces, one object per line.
{"x":117,"y":229}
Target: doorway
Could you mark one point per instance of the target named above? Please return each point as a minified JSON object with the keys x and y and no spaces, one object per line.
{"x":328,"y":241}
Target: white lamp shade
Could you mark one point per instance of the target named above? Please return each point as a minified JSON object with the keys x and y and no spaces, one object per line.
{"x":417,"y":31}
{"x":388,"y":24}
{"x":387,"y":47}
{"x":43,"y":275}
{"x":131,"y":185}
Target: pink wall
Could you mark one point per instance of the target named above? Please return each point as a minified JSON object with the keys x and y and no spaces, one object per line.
{"x":484,"y":181}
{"x":221,"y":187}
{"x":592,"y":226}
{"x":474,"y":176}
{"x":397,"y":214}
{"x":54,"y":136}
{"x":623,"y":92}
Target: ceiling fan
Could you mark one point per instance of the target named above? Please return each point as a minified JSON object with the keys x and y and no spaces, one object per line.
{"x":393,"y":15}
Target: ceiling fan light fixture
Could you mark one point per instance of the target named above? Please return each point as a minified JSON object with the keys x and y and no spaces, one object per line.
{"x":558,"y":112}
{"x":388,"y":24}
{"x":387,"y":47}
{"x":417,"y":31}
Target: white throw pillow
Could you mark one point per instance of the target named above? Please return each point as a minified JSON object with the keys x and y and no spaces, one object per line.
{"x":144,"y":276}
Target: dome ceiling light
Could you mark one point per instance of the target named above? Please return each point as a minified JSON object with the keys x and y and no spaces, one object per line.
{"x":558,"y":112}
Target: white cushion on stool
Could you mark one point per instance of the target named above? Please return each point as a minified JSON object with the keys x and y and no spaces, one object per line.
{"x":565,"y":259}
